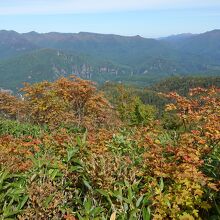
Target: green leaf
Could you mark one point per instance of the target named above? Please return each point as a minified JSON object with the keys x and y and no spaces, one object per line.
{"x":70,"y":153}
{"x":145,"y":201}
{"x":86,"y":183}
{"x":48,"y":200}
{"x":80,"y":217}
{"x":24,"y":200}
{"x":78,"y":141}
{"x":130,"y":194}
{"x":139,"y":201}
{"x":161,"y":184}
{"x":76,"y":168}
{"x":102,"y":192}
{"x":88,"y":205}
{"x":10,"y":214}
{"x":55,"y":173}
{"x":33,"y":177}
{"x":125,"y":205}
{"x":96,"y":211}
{"x":146,"y":214}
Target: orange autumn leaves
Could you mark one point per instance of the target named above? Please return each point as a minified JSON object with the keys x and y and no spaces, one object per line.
{"x":16,"y":152}
{"x":65,"y":101}
{"x":68,"y":100}
{"x":169,"y":163}
{"x":200,"y":114}
{"x":10,"y":106}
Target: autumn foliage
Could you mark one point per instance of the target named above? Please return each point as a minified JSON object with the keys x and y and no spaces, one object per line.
{"x":70,"y":154}
{"x":65,"y":101}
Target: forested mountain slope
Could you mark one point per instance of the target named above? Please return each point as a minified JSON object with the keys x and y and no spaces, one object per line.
{"x":103,"y":57}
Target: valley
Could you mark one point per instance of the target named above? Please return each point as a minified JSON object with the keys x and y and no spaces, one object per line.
{"x":33,"y":57}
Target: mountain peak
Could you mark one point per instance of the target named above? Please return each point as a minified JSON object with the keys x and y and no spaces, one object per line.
{"x":215,"y":32}
{"x":32,"y":33}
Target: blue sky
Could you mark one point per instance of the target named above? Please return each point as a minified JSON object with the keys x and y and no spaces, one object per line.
{"x":148,"y":18}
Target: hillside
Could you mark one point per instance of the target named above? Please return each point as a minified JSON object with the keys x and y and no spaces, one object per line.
{"x":50,"y":64}
{"x":206,"y":45}
{"x":12,"y":43}
{"x":101,"y":57}
{"x":142,"y":54}
{"x":182,"y":85}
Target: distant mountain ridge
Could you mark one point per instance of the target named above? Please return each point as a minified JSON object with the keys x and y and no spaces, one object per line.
{"x":177,"y":37}
{"x":104,"y":57}
{"x":13,"y":43}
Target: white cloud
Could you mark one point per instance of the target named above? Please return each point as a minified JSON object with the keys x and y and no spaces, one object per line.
{"x":13,"y":7}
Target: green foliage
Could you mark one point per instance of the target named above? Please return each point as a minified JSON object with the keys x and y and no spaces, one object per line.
{"x":171,"y":121}
{"x":129,"y":105}
{"x":17,"y":129}
{"x":143,"y":114}
{"x":182,"y":85}
{"x":135,"y":60}
{"x":50,"y":64}
{"x":13,"y":194}
{"x":127,"y":202}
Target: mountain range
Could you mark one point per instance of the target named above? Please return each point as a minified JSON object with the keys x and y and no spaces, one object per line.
{"x":33,"y":57}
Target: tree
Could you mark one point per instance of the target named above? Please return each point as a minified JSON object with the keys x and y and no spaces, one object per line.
{"x":64,"y":101}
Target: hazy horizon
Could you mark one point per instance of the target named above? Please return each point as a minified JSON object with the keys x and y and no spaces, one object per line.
{"x":147,"y":18}
{"x":172,"y":34}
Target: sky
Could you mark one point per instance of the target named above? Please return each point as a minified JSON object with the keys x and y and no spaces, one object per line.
{"x":148,"y":18}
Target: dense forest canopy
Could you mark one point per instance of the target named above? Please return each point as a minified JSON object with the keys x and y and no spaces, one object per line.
{"x":34,"y":57}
